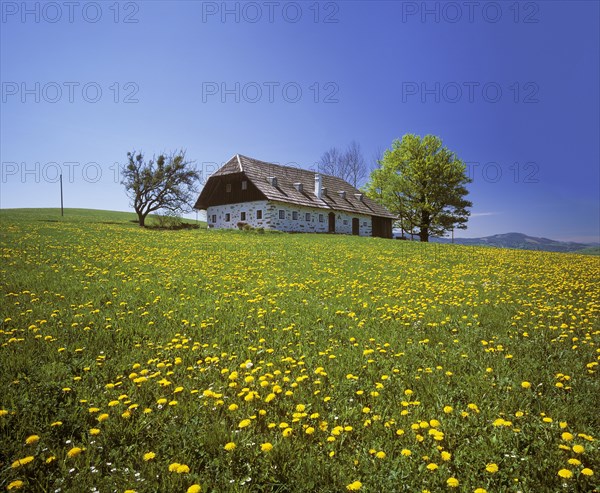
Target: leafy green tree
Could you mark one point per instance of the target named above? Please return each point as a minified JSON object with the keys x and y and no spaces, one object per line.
{"x":422,"y":182}
{"x":166,"y":183}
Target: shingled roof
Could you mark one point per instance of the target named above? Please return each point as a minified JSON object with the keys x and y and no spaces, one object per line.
{"x":286,"y":189}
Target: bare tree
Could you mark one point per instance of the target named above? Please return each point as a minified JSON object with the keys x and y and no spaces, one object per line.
{"x":354,"y":164}
{"x":330,"y":162}
{"x":376,"y":159}
{"x":348,"y":165}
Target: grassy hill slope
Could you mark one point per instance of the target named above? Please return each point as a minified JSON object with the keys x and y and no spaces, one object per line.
{"x":157,"y":360}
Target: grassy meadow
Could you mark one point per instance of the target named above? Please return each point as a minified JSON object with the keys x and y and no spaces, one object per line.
{"x":183,"y":361}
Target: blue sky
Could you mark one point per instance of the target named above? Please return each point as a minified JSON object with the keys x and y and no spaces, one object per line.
{"x":510,"y":87}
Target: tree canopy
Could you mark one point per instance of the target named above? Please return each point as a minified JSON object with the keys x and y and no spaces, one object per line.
{"x":422,"y":182}
{"x":166,"y":183}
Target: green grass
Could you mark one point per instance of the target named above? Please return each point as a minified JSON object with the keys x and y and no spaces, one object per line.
{"x":342,"y":352}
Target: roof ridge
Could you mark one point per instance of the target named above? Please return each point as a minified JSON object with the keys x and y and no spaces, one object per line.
{"x":239,"y":162}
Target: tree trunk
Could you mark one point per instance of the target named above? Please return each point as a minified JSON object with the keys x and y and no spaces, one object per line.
{"x":424,"y":232}
{"x":141,"y":219}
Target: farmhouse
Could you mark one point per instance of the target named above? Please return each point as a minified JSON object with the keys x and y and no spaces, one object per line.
{"x":245,"y":190}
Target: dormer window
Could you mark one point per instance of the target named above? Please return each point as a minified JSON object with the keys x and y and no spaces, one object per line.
{"x":244,"y":185}
{"x":228,"y":187}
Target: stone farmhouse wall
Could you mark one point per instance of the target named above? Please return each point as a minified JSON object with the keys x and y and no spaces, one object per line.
{"x":227,"y":217}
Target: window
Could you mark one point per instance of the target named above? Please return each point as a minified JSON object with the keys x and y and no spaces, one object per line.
{"x":214,"y":218}
{"x":365,"y":223}
{"x":228,"y":187}
{"x":259,"y":214}
{"x":242,"y":216}
{"x":345,"y":222}
{"x":320,"y":218}
{"x":281,"y":214}
{"x":295,"y":216}
{"x":228,"y":217}
{"x":244,"y":185}
{"x":307,"y":217}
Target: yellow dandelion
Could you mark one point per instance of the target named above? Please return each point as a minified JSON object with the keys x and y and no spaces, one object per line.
{"x":31,"y":439}
{"x":94,"y":431}
{"x":50,"y":459}
{"x":74,"y":452}
{"x":491,"y":468}
{"x":405,"y":452}
{"x":229,"y":446}
{"x":173,"y":467}
{"x":182,"y":469}
{"x":586,"y":471}
{"x":15,"y":485}
{"x":526,"y":385}
{"x":102,"y":417}
{"x":266,"y":447}
{"x":380,"y":454}
{"x":578,"y":449}
{"x":565,"y":473}
{"x":287,"y":432}
{"x":567,"y":437}
{"x":22,"y":462}
{"x":354,"y":486}
{"x":195,"y":488}
{"x":452,"y":482}
{"x":244,"y":423}
{"x":149,"y":456}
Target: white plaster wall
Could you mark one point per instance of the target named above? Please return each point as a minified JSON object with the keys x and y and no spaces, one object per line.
{"x":235,"y":210}
{"x":271,"y":220}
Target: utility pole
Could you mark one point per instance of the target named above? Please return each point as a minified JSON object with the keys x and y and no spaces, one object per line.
{"x":62,"y":212}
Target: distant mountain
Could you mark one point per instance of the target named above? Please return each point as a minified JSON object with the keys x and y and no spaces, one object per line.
{"x":521,"y":241}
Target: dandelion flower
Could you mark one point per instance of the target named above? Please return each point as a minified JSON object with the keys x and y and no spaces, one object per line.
{"x":406,"y":453}
{"x":74,"y":452}
{"x":94,"y":431}
{"x":287,"y":432}
{"x":565,"y":473}
{"x":173,"y":467}
{"x":480,"y":490}
{"x":491,"y":468}
{"x":102,"y":417}
{"x":452,"y":482}
{"x":526,"y":385}
{"x":15,"y":485}
{"x":432,"y":466}
{"x":195,"y":488}
{"x":22,"y":462}
{"x":448,"y":409}
{"x":566,"y":436}
{"x":446,"y":456}
{"x":182,"y":469}
{"x":380,"y":455}
{"x":31,"y":439}
{"x":266,"y":447}
{"x":229,"y":446}
{"x":149,"y":456}
{"x":578,"y":449}
{"x":354,"y":486}
{"x":586,"y":471}
{"x":244,"y":423}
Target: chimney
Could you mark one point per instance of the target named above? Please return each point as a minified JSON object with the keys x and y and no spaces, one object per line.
{"x":299,"y":187}
{"x":359,"y":196}
{"x":342,"y":194}
{"x":318,"y":192}
{"x":273,"y":181}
